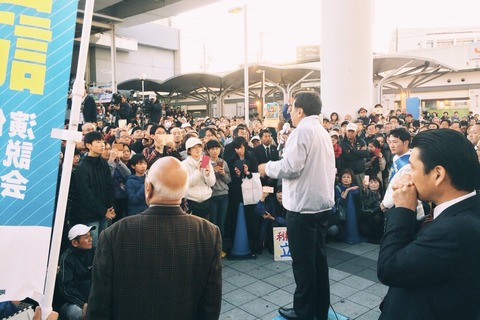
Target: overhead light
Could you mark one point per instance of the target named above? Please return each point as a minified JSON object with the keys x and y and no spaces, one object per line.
{"x":235,"y":10}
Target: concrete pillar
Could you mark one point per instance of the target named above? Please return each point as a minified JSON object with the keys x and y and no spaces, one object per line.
{"x":346,"y":56}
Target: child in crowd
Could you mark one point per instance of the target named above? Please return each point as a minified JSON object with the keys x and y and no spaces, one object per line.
{"x":135,"y":185}
{"x":219,"y":198}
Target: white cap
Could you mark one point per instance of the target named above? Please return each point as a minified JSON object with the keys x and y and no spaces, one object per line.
{"x":255,"y":138}
{"x":352,"y":126}
{"x":186,"y":124}
{"x":79,"y":230}
{"x":192,"y":142}
{"x":334,"y":133}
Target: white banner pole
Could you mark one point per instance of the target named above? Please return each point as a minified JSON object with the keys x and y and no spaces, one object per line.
{"x":70,"y":136}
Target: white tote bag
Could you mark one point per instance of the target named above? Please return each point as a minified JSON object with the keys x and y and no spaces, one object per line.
{"x":252,"y":189}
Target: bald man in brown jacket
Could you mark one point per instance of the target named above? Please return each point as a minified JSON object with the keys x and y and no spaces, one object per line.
{"x":161,"y":263}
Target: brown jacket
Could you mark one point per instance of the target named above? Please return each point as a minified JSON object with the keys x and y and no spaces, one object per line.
{"x":160,"y":264}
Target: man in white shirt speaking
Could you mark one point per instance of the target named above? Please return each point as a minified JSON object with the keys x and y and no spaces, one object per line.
{"x":308,"y":173}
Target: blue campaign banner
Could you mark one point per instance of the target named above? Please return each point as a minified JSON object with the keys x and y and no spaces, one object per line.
{"x":36,"y":43}
{"x":413,"y":107}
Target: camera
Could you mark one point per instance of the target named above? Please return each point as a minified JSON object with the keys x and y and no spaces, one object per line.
{"x":116,"y":98}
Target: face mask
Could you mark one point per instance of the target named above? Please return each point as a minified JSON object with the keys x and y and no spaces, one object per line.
{"x":167,"y":124}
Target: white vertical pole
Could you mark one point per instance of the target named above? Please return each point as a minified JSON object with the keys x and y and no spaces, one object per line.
{"x":113,"y":53}
{"x":263,"y":92}
{"x":77,"y":95}
{"x":245,"y":72}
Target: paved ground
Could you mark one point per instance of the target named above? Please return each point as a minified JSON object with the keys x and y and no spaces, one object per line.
{"x":255,"y":289}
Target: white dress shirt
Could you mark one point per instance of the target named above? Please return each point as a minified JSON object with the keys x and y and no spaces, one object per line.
{"x":307,"y":168}
{"x":441,"y":207}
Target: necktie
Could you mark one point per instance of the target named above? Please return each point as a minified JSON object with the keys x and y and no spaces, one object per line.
{"x":267,"y":149}
{"x":428,"y":219}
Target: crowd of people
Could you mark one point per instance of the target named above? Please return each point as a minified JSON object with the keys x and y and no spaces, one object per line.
{"x":370,"y":152}
{"x":313,"y":176}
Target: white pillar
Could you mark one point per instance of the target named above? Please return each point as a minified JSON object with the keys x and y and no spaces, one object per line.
{"x":113,"y":54}
{"x":346,"y":56}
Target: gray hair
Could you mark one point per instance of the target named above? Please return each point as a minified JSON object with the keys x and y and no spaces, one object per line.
{"x":161,"y":190}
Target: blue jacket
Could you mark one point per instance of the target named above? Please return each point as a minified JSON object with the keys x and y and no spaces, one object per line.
{"x":136,"y":194}
{"x":272,"y":206}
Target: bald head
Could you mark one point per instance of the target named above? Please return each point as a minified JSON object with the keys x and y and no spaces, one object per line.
{"x":166,"y":182}
{"x":474,"y":134}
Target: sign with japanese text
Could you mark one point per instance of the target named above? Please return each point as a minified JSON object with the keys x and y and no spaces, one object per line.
{"x":36,"y":42}
{"x":281,"y":250}
{"x":271,"y":114}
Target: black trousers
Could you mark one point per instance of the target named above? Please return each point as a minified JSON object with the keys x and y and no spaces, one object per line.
{"x":306,"y":238}
{"x":201,"y":209}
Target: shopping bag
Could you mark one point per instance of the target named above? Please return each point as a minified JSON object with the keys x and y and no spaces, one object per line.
{"x":252,"y":189}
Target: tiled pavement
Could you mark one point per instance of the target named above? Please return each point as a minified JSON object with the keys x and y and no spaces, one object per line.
{"x":255,"y":289}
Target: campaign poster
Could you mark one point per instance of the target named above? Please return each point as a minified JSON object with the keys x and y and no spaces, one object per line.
{"x":36,"y":43}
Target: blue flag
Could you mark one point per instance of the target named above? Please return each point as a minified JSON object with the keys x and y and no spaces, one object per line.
{"x":36,"y":42}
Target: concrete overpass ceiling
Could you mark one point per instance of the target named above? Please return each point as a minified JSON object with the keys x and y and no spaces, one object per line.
{"x":135,"y":12}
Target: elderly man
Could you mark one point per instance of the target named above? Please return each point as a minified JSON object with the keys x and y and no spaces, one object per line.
{"x":354,"y":152}
{"x":161,"y":263}
{"x":435,"y":273}
{"x":122,"y":136}
{"x":474,"y":134}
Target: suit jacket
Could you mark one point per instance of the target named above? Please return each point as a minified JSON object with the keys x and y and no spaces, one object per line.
{"x":89,"y":109}
{"x":436,"y":273}
{"x":159,"y":264}
{"x":261,"y":155}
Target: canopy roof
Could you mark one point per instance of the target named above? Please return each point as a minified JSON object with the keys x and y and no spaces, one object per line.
{"x":387,"y":69}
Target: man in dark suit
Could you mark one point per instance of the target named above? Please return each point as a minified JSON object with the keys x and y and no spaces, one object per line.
{"x":161,"y":263}
{"x":89,"y":108}
{"x":265,"y":152}
{"x":434,"y":274}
